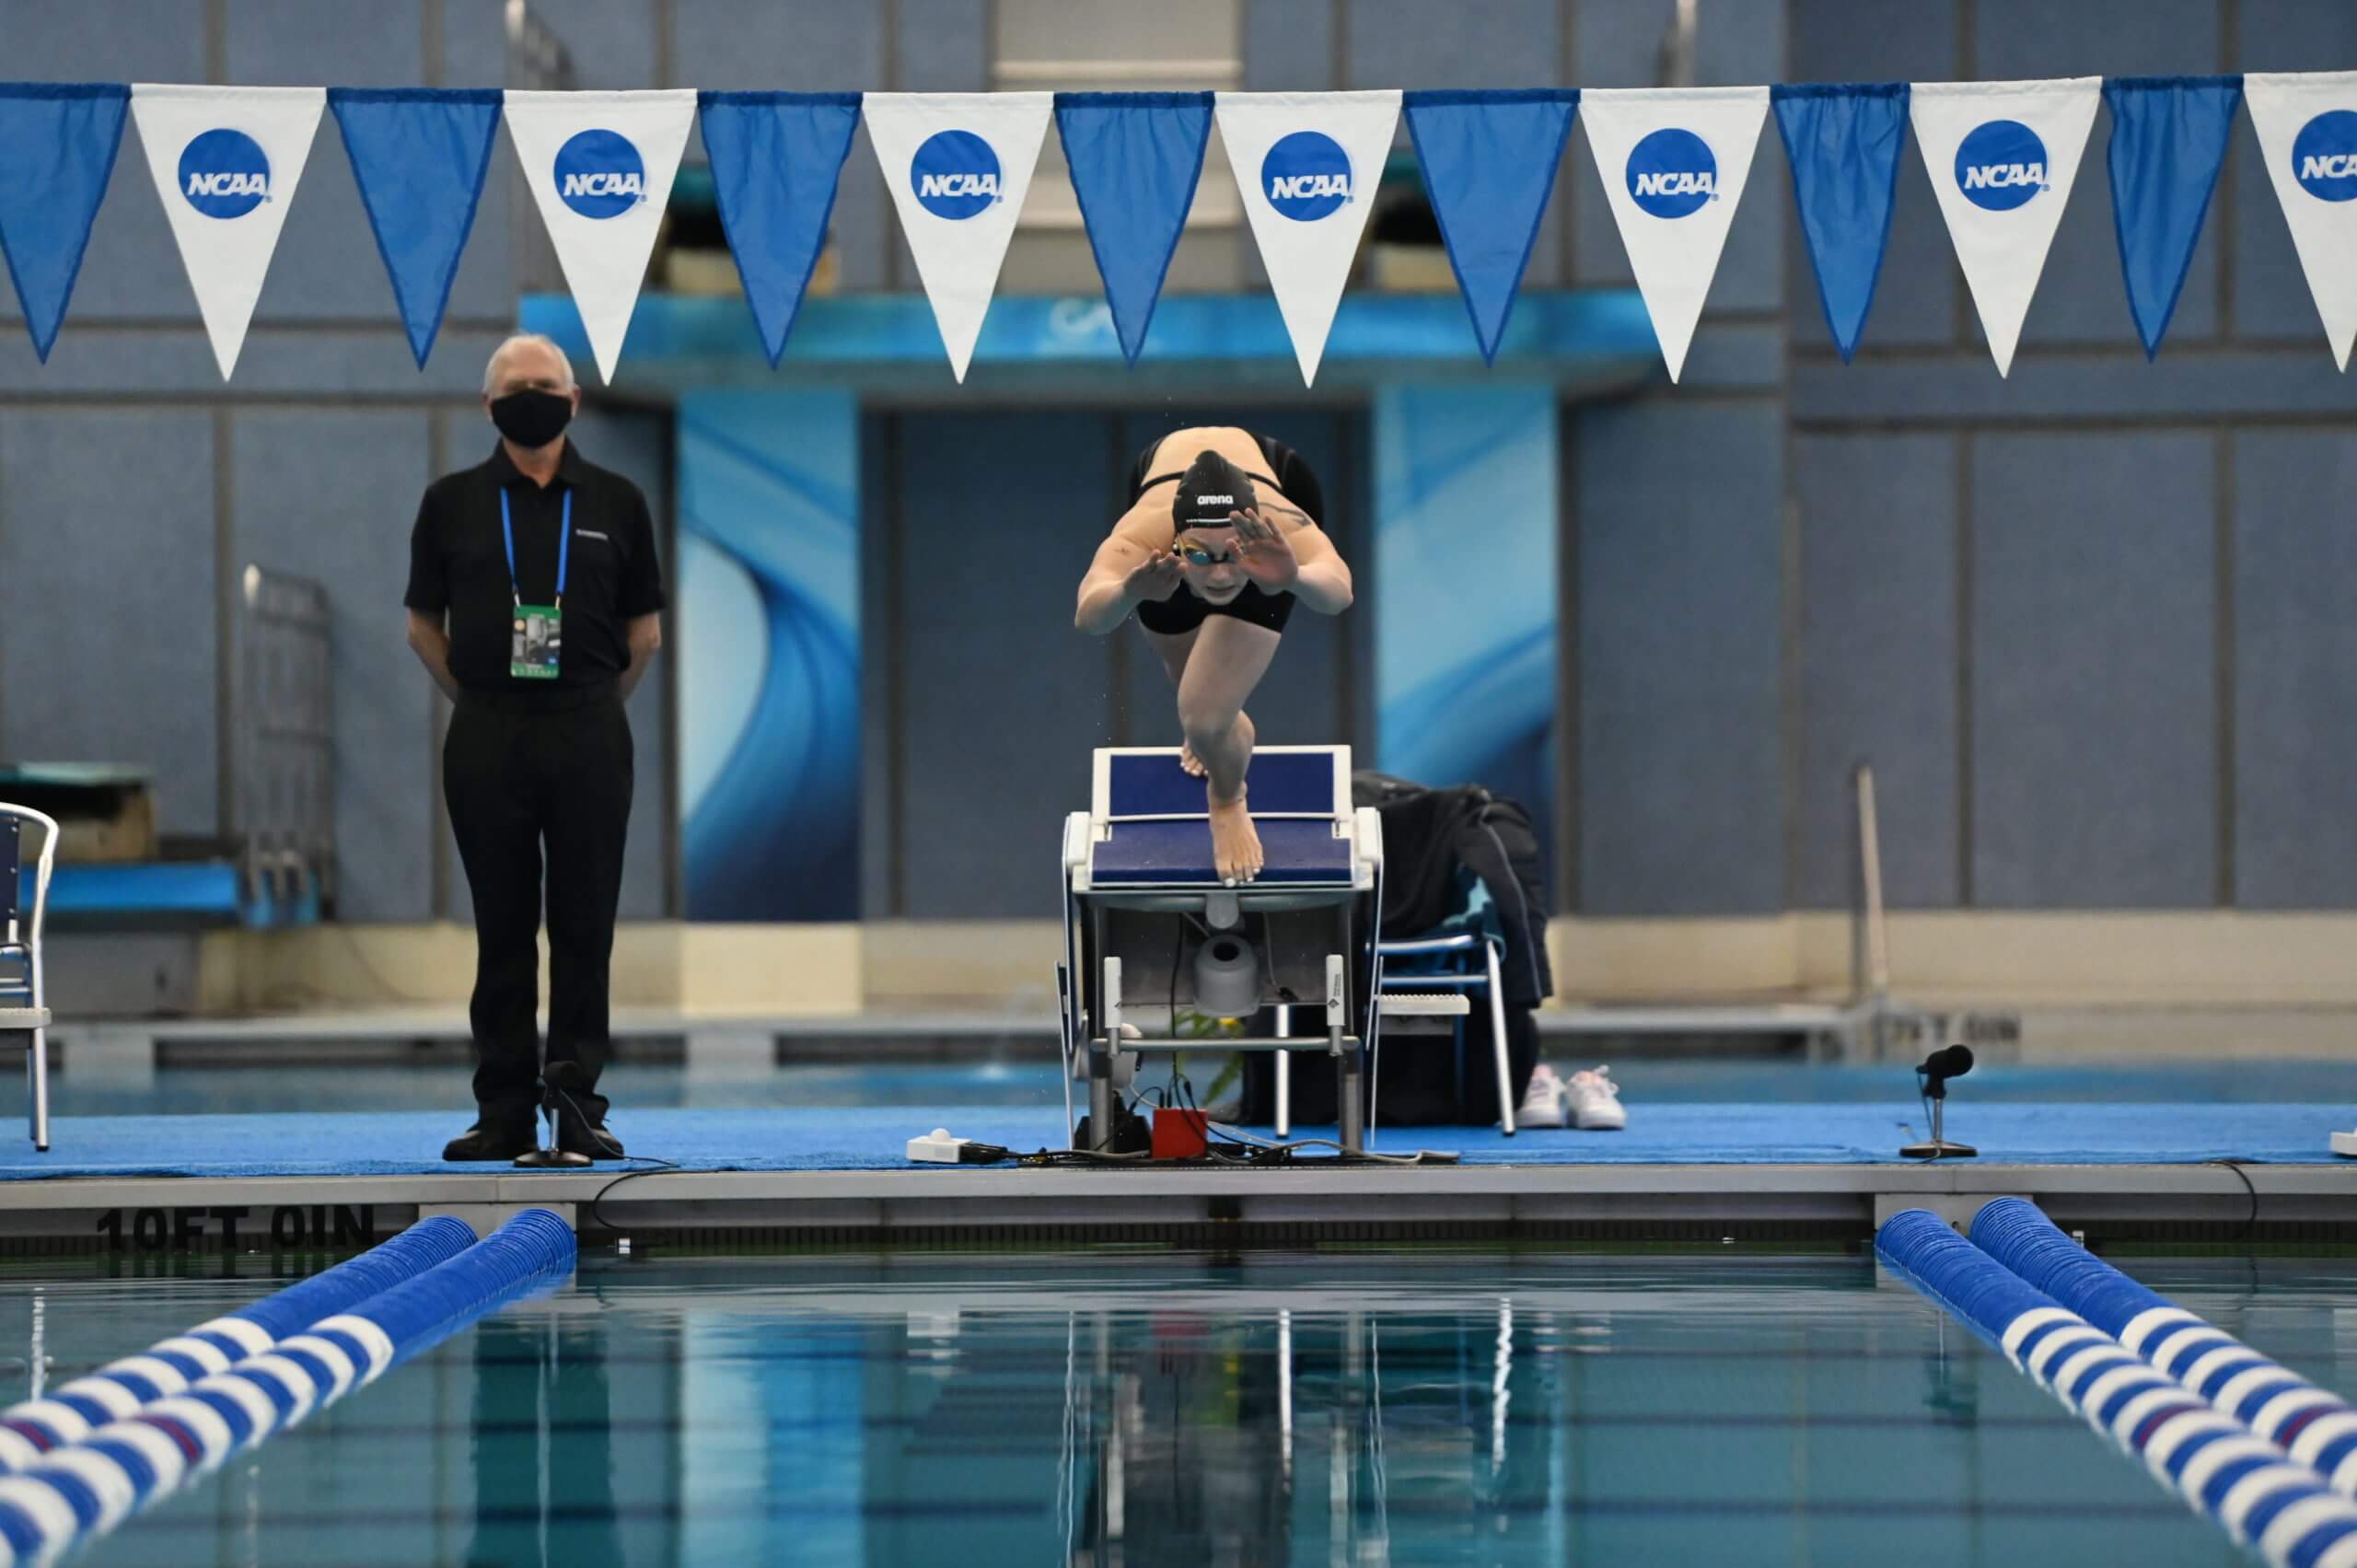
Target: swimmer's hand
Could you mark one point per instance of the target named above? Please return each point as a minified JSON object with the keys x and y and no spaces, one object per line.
{"x":1154,"y":578}
{"x":1263,"y":552}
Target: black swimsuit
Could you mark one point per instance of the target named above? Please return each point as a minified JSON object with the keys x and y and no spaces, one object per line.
{"x":1183,"y":611}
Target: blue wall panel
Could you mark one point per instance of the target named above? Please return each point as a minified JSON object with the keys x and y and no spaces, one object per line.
{"x":1000,"y":699}
{"x":1465,"y":572}
{"x":107,"y":615}
{"x":1878,"y":662}
{"x":768,"y":671}
{"x":2295,"y":670}
{"x":1678,"y":624}
{"x":359,"y":552}
{"x":2093,"y":737}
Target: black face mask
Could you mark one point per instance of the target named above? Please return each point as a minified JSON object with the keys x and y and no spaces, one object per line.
{"x":531,"y":418}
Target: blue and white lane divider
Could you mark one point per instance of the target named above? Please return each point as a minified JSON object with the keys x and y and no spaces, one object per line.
{"x":2224,"y":1473}
{"x":120,"y":1388}
{"x":2316,"y":1426}
{"x":87,"y":1488}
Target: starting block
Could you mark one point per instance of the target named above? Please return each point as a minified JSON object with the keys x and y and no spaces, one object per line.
{"x":1149,"y":927}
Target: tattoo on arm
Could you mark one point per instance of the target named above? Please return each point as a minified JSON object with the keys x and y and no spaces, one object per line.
{"x":1292,"y":514}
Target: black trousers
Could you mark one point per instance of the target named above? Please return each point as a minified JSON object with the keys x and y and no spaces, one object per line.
{"x":520,"y":771}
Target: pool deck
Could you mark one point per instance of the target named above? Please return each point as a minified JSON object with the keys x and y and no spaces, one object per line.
{"x":838,"y":1175}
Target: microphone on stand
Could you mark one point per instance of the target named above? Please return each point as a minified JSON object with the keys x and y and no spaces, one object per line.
{"x":1931,"y":1078}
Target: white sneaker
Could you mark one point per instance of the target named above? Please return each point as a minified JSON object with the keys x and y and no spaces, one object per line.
{"x":1542,"y":1102}
{"x":1595,"y":1101}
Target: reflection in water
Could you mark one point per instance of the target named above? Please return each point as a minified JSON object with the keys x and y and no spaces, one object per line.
{"x":1110,"y":1408}
{"x":543,"y":1446}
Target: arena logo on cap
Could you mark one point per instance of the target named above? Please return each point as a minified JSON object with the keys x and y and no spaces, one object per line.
{"x":225,"y":173}
{"x":1306,"y":176}
{"x":956,"y":175}
{"x":2324,"y":155}
{"x":2001,"y":165}
{"x":1671,"y":173}
{"x":599,"y":174}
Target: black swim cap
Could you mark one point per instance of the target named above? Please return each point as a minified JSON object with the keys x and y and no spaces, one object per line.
{"x":1210,"y":489}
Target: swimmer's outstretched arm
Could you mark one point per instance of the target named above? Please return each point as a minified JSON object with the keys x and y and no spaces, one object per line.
{"x":1284,"y":551}
{"x":1125,"y":574}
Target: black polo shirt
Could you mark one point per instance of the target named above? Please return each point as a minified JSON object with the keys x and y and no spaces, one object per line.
{"x":458,"y":562}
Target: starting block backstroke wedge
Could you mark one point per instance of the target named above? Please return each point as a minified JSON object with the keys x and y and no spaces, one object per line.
{"x":1149,"y":929}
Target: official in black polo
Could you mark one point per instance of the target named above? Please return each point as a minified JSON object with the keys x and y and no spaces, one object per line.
{"x":534,"y":600}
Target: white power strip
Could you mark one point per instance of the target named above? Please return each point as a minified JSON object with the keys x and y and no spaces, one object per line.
{"x":936,"y":1147}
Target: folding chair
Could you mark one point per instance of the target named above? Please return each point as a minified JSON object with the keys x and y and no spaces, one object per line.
{"x":1462,"y":955}
{"x":22,"y":1011}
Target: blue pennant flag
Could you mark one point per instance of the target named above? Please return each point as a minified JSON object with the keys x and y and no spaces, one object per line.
{"x":1488,"y":162}
{"x":1842,"y":145}
{"x":776,"y":160}
{"x":418,"y":154}
{"x":1135,"y":159}
{"x":61,"y":138}
{"x":2168,"y":138}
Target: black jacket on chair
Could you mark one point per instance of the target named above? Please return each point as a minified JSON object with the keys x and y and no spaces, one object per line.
{"x":1429,"y":836}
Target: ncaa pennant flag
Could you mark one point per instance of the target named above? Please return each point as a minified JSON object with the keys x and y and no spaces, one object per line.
{"x":957,"y":165}
{"x":1841,"y":144}
{"x":600,"y":165}
{"x":47,"y":203}
{"x":227,"y":162}
{"x":2001,"y":157}
{"x":2307,"y":134}
{"x":2168,"y":140}
{"x":1135,"y":161}
{"x":1307,"y":165}
{"x":1674,"y":161}
{"x":776,"y":160}
{"x":1489,"y":161}
{"x":419,"y":155}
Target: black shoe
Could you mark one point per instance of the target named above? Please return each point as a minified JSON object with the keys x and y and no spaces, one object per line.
{"x":578,"y":1134}
{"x":487,"y":1140}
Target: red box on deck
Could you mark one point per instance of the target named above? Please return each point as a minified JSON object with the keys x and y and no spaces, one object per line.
{"x":1180,"y":1135}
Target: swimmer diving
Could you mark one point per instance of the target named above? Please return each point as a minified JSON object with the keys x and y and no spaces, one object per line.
{"x":1212,"y":576}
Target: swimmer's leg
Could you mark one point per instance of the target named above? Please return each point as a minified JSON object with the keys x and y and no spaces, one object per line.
{"x":1228,"y":659}
{"x":1173,"y":650}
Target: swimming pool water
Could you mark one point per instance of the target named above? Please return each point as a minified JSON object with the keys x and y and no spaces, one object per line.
{"x":1149,"y":1407}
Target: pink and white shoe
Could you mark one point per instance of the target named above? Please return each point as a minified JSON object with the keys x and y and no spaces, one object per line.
{"x":1542,"y":1102}
{"x":1595,"y":1101}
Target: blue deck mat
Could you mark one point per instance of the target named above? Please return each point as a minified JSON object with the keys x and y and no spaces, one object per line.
{"x":875,"y":1138}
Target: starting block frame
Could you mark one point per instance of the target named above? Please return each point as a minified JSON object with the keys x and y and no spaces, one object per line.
{"x":1140,"y":894}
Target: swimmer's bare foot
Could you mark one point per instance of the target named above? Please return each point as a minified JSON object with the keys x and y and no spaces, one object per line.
{"x":1190,"y":765}
{"x":1235,"y":844}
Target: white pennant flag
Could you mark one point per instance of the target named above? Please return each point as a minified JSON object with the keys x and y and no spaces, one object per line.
{"x":1674,"y":161}
{"x":2001,"y":157}
{"x":600,"y":165}
{"x":1307,"y":165}
{"x":2307,"y":133}
{"x":957,"y":165}
{"x":227,"y":162}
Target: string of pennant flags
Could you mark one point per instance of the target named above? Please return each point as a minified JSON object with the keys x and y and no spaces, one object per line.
{"x":2002,"y":157}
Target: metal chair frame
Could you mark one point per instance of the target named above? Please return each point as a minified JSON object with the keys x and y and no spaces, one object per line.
{"x":21,"y":940}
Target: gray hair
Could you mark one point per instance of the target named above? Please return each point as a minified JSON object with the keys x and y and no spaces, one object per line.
{"x":491,"y":369}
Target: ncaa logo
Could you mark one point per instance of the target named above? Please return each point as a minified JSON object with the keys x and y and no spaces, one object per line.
{"x":1306,"y":176}
{"x":223,"y":174}
{"x":599,"y":174}
{"x":1671,"y":173}
{"x":955,"y":174}
{"x":2001,"y":165}
{"x":2324,"y":155}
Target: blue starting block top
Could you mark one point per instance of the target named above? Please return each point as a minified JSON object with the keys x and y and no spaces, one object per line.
{"x":1152,"y":829}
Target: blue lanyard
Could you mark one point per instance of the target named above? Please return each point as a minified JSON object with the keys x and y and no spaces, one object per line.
{"x":564,"y":545}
